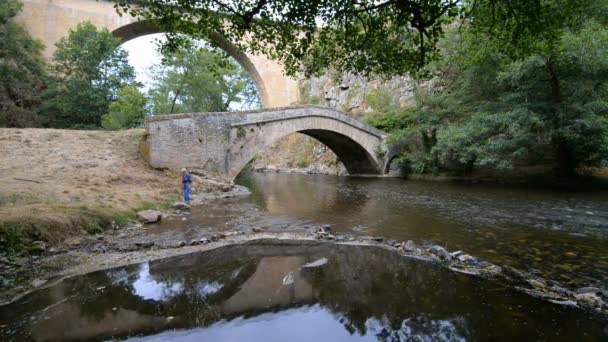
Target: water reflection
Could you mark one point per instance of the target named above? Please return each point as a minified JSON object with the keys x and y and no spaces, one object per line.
{"x":262,"y":292}
{"x":563,"y":235}
{"x":148,"y":288}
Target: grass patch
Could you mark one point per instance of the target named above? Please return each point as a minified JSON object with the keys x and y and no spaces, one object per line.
{"x":54,"y":222}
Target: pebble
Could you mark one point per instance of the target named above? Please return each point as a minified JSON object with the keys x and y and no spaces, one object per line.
{"x":38,"y":282}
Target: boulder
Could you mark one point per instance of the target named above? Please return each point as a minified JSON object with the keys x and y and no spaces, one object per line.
{"x":149,"y":216}
{"x":408,"y":246}
{"x":181,"y":206}
{"x":589,"y":298}
{"x":441,"y":252}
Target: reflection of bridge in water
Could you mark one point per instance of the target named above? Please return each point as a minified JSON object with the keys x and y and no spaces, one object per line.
{"x":223,"y":143}
{"x":362,"y":291}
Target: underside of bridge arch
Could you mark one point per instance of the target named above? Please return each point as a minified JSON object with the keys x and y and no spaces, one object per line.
{"x":146,"y":27}
{"x":355,"y":158}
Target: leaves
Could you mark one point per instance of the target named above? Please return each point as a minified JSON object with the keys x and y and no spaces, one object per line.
{"x":546,"y":104}
{"x":88,"y":72}
{"x":200,"y":79}
{"x":128,"y":111}
{"x":21,"y":70}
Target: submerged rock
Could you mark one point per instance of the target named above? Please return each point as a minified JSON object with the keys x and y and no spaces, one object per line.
{"x":149,"y":216}
{"x":288,"y":279}
{"x":513,"y":272}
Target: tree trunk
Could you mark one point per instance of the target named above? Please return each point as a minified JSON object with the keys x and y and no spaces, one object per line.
{"x":564,"y":161}
{"x":173,"y":102}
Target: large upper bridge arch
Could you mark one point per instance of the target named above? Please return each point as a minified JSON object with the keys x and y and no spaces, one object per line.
{"x":222,"y":144}
{"x":51,"y":20}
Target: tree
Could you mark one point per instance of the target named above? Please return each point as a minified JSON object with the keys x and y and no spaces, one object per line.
{"x":128,"y":111}
{"x":21,"y":70}
{"x":199,"y":79}
{"x":387,"y":37}
{"x":542,"y":102}
{"x":88,"y":71}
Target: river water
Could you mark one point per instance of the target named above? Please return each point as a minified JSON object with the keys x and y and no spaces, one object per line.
{"x":260,"y":292}
{"x":562,"y":235}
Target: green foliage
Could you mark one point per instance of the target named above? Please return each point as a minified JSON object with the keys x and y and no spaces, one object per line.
{"x":128,"y":111}
{"x":89,"y":70}
{"x":199,"y":79}
{"x":11,"y":239}
{"x":21,"y":70}
{"x":392,"y":37}
{"x":544,"y":104}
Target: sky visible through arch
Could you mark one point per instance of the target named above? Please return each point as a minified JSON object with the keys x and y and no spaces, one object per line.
{"x":143,"y":55}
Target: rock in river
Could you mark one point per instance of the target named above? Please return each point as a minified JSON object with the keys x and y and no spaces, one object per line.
{"x":408,"y":246}
{"x":441,"y":252}
{"x":149,"y":216}
{"x":181,"y":206}
{"x":316,"y":263}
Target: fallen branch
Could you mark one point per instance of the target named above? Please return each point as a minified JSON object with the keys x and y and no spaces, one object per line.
{"x":27,"y":180}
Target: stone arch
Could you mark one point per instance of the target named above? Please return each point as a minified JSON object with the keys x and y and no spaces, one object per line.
{"x":142,"y":28}
{"x":354,"y":144}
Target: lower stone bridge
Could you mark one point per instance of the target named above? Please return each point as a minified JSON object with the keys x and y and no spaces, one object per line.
{"x":221,"y":144}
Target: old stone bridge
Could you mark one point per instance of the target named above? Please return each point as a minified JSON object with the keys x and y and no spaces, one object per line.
{"x":221,"y":144}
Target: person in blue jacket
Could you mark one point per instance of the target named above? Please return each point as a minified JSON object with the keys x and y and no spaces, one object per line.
{"x":187,"y":184}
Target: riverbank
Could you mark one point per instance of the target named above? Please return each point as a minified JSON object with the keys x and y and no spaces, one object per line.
{"x":134,"y":245}
{"x":57,"y":184}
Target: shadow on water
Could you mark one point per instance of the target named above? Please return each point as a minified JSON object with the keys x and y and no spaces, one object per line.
{"x":261,"y":292}
{"x":562,"y":234}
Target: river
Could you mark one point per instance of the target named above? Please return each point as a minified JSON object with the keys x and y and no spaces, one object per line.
{"x":562,"y":235}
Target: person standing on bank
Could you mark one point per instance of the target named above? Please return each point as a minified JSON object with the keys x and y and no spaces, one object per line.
{"x":187,"y":184}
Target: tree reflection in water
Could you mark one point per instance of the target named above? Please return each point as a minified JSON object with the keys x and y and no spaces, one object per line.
{"x":238,"y":292}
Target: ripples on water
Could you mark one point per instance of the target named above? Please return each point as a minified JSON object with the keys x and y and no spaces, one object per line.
{"x":563,"y":235}
{"x":239,"y":293}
